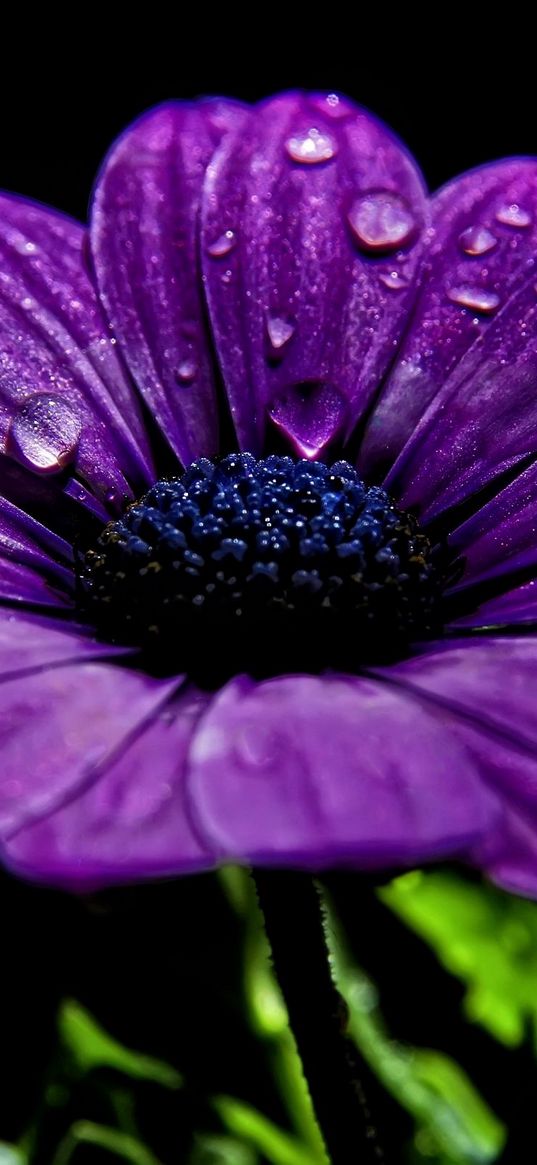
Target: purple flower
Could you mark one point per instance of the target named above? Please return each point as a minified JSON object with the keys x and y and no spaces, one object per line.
{"x":286,"y":259}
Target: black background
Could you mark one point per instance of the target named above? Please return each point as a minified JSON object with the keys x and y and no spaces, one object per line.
{"x":62,"y":105}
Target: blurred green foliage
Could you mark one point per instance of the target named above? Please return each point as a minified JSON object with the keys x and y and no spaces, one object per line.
{"x":486,"y":937}
{"x":98,"y":1091}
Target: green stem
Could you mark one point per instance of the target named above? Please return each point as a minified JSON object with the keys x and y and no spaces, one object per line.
{"x":317,"y":1013}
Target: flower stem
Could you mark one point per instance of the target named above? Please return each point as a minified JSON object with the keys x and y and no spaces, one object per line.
{"x":336,"y":1078}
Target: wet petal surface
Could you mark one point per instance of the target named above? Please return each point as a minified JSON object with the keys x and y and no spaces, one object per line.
{"x":480,"y":248}
{"x":65,"y":403}
{"x":145,"y":251}
{"x":312,"y":225}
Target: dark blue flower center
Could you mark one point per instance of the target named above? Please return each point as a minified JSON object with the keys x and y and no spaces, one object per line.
{"x":262,"y":566}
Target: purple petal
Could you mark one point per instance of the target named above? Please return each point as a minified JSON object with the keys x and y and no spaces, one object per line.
{"x":486,"y":688}
{"x":484,"y":420}
{"x":34,"y":642}
{"x":509,"y":854}
{"x":481,"y":248}
{"x":132,"y":822}
{"x":58,"y":728}
{"x":35,"y":564}
{"x":145,"y":253}
{"x":312,"y":222}
{"x":316,"y":772}
{"x":515,"y":606}
{"x":64,"y":399}
{"x":500,"y":538}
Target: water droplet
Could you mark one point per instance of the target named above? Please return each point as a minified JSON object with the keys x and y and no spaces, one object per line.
{"x":44,"y":434}
{"x":513,"y":216}
{"x":381,"y":221}
{"x":332,"y":105}
{"x":186,"y":371}
{"x":311,"y":146}
{"x":393,"y":280}
{"x":279,"y":331}
{"x":477,"y":240}
{"x":257,"y":746}
{"x":475,"y":298}
{"x":309,"y":414}
{"x":222,"y":245}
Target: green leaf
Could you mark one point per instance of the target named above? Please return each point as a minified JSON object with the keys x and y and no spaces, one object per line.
{"x":92,"y":1047}
{"x":10,"y":1155}
{"x":214,"y":1150}
{"x":486,"y":937}
{"x":120,"y":1144}
{"x":454,"y":1126}
{"x":244,"y":1121}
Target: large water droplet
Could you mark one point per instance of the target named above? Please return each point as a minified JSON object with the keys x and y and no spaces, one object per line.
{"x":475,"y":298}
{"x":44,"y":434}
{"x":513,"y":216}
{"x":279,"y":331}
{"x":222,"y":245}
{"x":393,"y":280}
{"x":311,"y":146}
{"x":186,"y":371}
{"x":477,"y":240}
{"x":381,"y":221}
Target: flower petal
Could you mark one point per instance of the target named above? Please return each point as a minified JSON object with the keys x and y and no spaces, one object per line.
{"x":316,"y":772}
{"x":34,"y":642}
{"x":515,"y":606}
{"x":482,"y":423}
{"x":145,"y":252}
{"x":499,"y":538}
{"x":312,"y":223}
{"x":64,"y":400}
{"x":480,"y":249}
{"x":59,"y":727}
{"x":487,"y":687}
{"x":35,"y":564}
{"x":132,"y":822}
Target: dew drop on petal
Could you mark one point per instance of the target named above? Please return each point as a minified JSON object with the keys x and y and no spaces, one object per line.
{"x":332,"y":105}
{"x":222,"y":245}
{"x":186,"y":371}
{"x":257,"y":747}
{"x":279,"y":331}
{"x":393,"y":280}
{"x":311,"y":146}
{"x":477,"y":240}
{"x":44,"y":434}
{"x":513,"y":216}
{"x":309,"y":415}
{"x":381,"y":221}
{"x":474,"y":298}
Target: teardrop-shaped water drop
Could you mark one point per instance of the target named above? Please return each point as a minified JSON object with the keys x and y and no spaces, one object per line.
{"x":44,"y":434}
{"x":279,"y":332}
{"x":475,"y":298}
{"x":309,"y":415}
{"x":186,"y":371}
{"x":477,"y":240}
{"x":222,"y":245}
{"x":393,"y":280}
{"x":311,"y":146}
{"x":514,"y":216}
{"x":381,"y":221}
